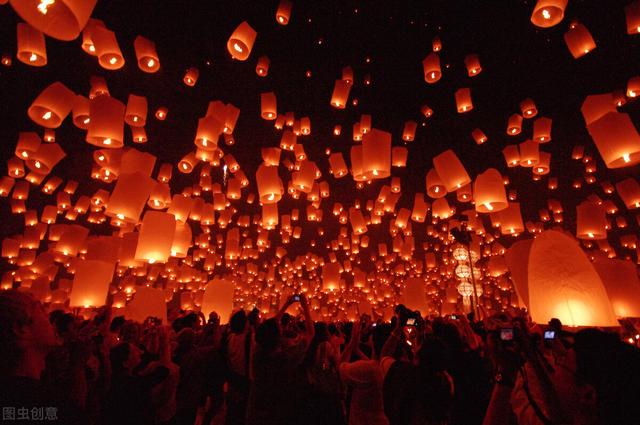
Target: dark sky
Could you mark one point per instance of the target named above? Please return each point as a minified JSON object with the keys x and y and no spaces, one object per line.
{"x":518,"y":60}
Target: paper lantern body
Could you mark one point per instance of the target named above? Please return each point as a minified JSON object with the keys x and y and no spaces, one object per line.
{"x":488,"y":192}
{"x":52,"y":106}
{"x":63,"y":19}
{"x":91,"y":283}
{"x":107,"y":49}
{"x":617,"y":140}
{"x":548,"y":13}
{"x":156,"y":237}
{"x":283,"y":14}
{"x":270,"y":187}
{"x":136,"y":111}
{"x":241,"y":41}
{"x":147,"y":302}
{"x":591,"y":221}
{"x":268,"y":106}
{"x":564,"y":284}
{"x":376,"y":154}
{"x":129,"y":197}
{"x":340,"y":94}
{"x":463,"y":100}
{"x":579,"y":41}
{"x":31,"y":46}
{"x":146,"y":54}
{"x":431,"y":68}
{"x":218,"y":297}
{"x":620,"y":279}
{"x":106,"y":128}
{"x":451,"y":170}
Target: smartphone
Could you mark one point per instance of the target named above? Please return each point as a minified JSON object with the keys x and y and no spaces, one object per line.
{"x":296,"y":297}
{"x":549,"y":335}
{"x":374,"y":325}
{"x":506,"y":334}
{"x":411,"y":321}
{"x":454,"y":317}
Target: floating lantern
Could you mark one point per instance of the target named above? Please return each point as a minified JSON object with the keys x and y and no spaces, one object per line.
{"x":62,"y":19}
{"x":488,"y":192}
{"x":617,"y":139}
{"x":548,"y":13}
{"x":107,"y":49}
{"x":241,"y":41}
{"x":451,"y":170}
{"x":106,"y":127}
{"x":31,"y":46}
{"x":268,"y":106}
{"x":431,"y":68}
{"x":146,"y":54}
{"x":579,"y":41}
{"x":52,"y":106}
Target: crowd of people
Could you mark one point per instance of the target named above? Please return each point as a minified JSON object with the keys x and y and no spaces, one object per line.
{"x":284,"y":370}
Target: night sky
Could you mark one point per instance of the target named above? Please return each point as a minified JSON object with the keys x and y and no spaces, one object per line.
{"x":518,"y":59}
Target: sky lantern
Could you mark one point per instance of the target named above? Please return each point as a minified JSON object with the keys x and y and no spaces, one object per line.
{"x":528,"y":108}
{"x":632,"y":16}
{"x":451,"y":170}
{"x":617,"y":139}
{"x":45,"y":158}
{"x":376,"y":154}
{"x":129,"y":197}
{"x":435,"y":187}
{"x":463,"y":100}
{"x":28,"y":144}
{"x":347,"y":74}
{"x":340,"y":94}
{"x":629,"y":191}
{"x":136,"y":111}
{"x":529,"y":153}
{"x":478,"y":136}
{"x":579,"y":40}
{"x":271,"y":156}
{"x":91,"y":283}
{"x":191,"y":76}
{"x":548,"y":13}
{"x":409,"y":131}
{"x":304,"y":178}
{"x":511,"y":220}
{"x":564,"y":284}
{"x":514,"y":125}
{"x":208,"y":132}
{"x":241,"y":41}
{"x":283,"y":14}
{"x":156,"y":237}
{"x":440,"y":209}
{"x":52,"y":106}
{"x":620,"y":279}
{"x":269,"y":110}
{"x":597,"y":106}
{"x":331,"y":276}
{"x":489,"y":193}
{"x":431,"y":68}
{"x":107,"y":49}
{"x":399,"y":156}
{"x":542,"y":130}
{"x":31,"y":46}
{"x":591,"y":221}
{"x":62,"y":19}
{"x":544,"y":164}
{"x":337,"y":165}
{"x":218,"y":297}
{"x":472,"y":63}
{"x":262,"y":68}
{"x":146,"y":54}
{"x":87,"y":34}
{"x":147,"y":302}
{"x":106,"y":127}
{"x":357,"y":220}
{"x":270,"y":187}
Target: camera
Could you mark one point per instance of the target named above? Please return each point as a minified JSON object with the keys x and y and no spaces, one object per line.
{"x":506,"y":334}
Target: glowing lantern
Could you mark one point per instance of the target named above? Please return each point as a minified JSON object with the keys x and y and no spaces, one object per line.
{"x":511,"y":220}
{"x":107,"y":49}
{"x":489,"y":194}
{"x":62,"y":19}
{"x":28,"y":144}
{"x":376,"y":154}
{"x":632,"y":15}
{"x":91,"y":283}
{"x":331,"y":276}
{"x":218,"y":297}
{"x":409,"y":131}
{"x":87,"y":34}
{"x":147,"y":302}
{"x":440,"y":209}
{"x":431,"y":68}
{"x":451,"y":170}
{"x":347,"y":74}
{"x":81,"y":117}
{"x":31,"y":47}
{"x":71,"y":240}
{"x":271,"y":156}
{"x":514,"y":125}
{"x":156,"y":237}
{"x":52,"y":106}
{"x":241,"y":41}
{"x":146,"y":54}
{"x":270,"y":187}
{"x":542,"y":130}
{"x":269,"y":215}
{"x":463,"y":100}
{"x":399,"y":156}
{"x":160,"y":197}
{"x":579,"y":41}
{"x":528,"y":108}
{"x":617,"y":140}
{"x":473,"y":65}
{"x":191,"y":76}
{"x":629,"y":192}
{"x":269,"y":110}
{"x":479,"y":136}
{"x":620,"y":280}
{"x":548,"y":13}
{"x":208,"y":132}
{"x":262,"y":68}
{"x":591,"y":221}
{"x":106,"y":128}
{"x":340,"y":94}
{"x":529,"y":153}
{"x":358,"y":223}
{"x":136,"y":111}
{"x":161,"y":113}
{"x":283,"y":14}
{"x":45,"y":158}
{"x":338,"y":165}
{"x":435,"y":187}
{"x":129,"y":197}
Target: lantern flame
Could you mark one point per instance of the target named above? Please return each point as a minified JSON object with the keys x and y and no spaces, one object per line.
{"x":43,"y":6}
{"x":237,"y":47}
{"x":626,"y":157}
{"x":47,"y":115}
{"x":33,"y":57}
{"x":546,"y":14}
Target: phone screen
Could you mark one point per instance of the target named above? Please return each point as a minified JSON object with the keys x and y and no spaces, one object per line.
{"x":506,"y":334}
{"x":296,"y":297}
{"x":454,"y":317}
{"x":411,"y":321}
{"x":549,"y":334}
